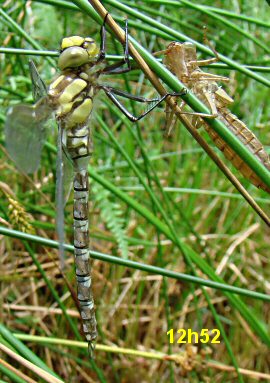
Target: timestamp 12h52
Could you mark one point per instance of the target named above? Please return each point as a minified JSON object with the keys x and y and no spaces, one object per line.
{"x":182,"y":335}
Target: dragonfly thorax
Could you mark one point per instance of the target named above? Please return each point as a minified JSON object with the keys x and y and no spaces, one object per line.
{"x":71,"y":95}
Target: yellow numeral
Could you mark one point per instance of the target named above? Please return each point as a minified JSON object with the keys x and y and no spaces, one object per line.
{"x":215,"y":339}
{"x":181,"y":337}
{"x":170,"y":333}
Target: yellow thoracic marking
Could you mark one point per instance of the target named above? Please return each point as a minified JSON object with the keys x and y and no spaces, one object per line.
{"x":72,"y":41}
{"x":56,"y":82}
{"x":84,"y":76}
{"x":64,"y":108}
{"x":91,"y":91}
{"x":81,"y":114}
{"x":72,"y":90}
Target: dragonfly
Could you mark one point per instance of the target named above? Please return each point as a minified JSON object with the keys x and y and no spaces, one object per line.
{"x":70,"y":99}
{"x":181,"y":59}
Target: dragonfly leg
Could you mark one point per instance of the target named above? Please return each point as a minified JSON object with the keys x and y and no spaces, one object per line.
{"x":171,"y":118}
{"x":212,"y":105}
{"x":116,"y":68}
{"x":102,"y":50}
{"x":205,"y":62}
{"x":206,"y":115}
{"x":130,"y":96}
{"x":203,"y":76}
{"x":111,"y":93}
{"x":170,"y":121}
{"x":197,"y":122}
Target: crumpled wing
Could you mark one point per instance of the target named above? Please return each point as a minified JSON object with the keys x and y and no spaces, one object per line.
{"x":39,"y":89}
{"x":25,"y":129}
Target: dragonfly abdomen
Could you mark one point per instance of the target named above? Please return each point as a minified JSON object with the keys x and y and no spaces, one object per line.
{"x":79,"y":149}
{"x":81,"y":251}
{"x":240,"y":130}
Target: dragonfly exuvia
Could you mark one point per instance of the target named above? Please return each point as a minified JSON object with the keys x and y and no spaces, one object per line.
{"x":70,"y":97}
{"x":181,"y":59}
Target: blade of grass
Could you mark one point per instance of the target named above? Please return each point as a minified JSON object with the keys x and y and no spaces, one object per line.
{"x":7,"y":370}
{"x":17,"y":28}
{"x":170,"y":189}
{"x":219,"y":19}
{"x":35,"y":369}
{"x":220,"y":285}
{"x":24,"y":351}
{"x":220,"y":11}
{"x":52,"y":290}
{"x":33,"y":52}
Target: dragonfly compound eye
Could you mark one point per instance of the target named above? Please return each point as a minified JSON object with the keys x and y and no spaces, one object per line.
{"x":73,"y":57}
{"x":77,"y":51}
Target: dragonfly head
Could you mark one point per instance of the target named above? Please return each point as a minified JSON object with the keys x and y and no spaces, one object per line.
{"x":189,"y":52}
{"x":76,"y":51}
{"x":175,"y":60}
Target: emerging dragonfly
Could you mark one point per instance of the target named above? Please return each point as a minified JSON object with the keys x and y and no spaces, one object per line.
{"x":70,"y":96}
{"x":181,"y":60}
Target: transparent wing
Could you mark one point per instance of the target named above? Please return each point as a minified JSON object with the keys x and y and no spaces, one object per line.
{"x":67,"y":166}
{"x":39,"y":89}
{"x":59,"y":198}
{"x":25,"y":129}
{"x":68,"y":171}
{"x":25,"y":126}
{"x":64,"y":178}
{"x":68,"y":176}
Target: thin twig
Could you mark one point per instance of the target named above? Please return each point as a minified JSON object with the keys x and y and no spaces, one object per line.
{"x":37,"y":370}
{"x":16,"y":371}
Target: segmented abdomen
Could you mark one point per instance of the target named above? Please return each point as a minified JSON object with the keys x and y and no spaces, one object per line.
{"x":71,"y":96}
{"x":240,"y":130}
{"x":82,"y":256}
{"x":79,"y":149}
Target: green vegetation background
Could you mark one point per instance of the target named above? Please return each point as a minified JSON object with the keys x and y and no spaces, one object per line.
{"x":154,"y":199}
